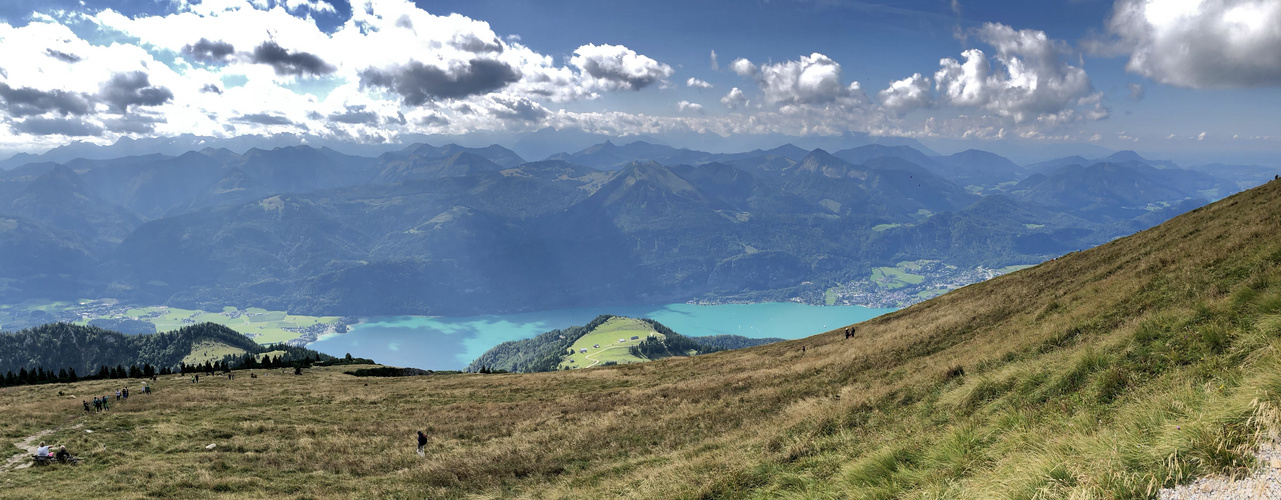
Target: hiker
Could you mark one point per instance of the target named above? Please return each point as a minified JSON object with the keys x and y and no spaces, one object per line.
{"x":197,"y":379}
{"x":802,"y":349}
{"x":43,"y":450}
{"x":117,"y":394}
{"x":422,"y":443}
{"x":62,"y":454}
{"x":86,"y":403}
{"x":97,"y":405}
{"x":105,"y":401}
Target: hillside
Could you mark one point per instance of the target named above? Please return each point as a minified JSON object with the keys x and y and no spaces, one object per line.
{"x":87,"y":348}
{"x":1106,"y":373}
{"x":607,"y":339}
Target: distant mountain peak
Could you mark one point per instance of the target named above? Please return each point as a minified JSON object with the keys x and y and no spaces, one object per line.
{"x":1127,"y":155}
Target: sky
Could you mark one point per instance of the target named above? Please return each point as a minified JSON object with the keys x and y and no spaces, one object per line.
{"x":1156,"y":75}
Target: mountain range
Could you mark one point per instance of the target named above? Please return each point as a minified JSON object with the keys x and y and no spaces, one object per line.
{"x":462,"y":230}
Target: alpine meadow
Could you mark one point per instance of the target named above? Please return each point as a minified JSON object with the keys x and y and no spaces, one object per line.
{"x":466,"y":249}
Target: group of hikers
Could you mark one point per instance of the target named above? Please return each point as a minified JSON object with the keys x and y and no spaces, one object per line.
{"x":849,"y":334}
{"x":44,"y":453}
{"x":104,"y":403}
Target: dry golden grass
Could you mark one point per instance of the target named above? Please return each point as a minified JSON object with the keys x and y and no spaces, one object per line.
{"x":1104,"y":374}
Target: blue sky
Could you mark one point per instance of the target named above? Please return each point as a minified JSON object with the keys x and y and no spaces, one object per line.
{"x":1155,"y":75}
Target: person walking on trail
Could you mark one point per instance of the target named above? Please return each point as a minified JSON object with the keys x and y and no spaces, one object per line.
{"x":86,"y":403}
{"x":422,"y":444}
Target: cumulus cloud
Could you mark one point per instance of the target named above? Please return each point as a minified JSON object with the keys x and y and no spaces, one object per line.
{"x":62,"y":56}
{"x":290,"y":63}
{"x":470,"y":42}
{"x":696,"y":83}
{"x":417,"y":83}
{"x":907,"y":94}
{"x":742,"y":67}
{"x":357,"y":114}
{"x":240,"y":62}
{"x":515,"y":108}
{"x":815,"y":78}
{"x":1030,"y":80}
{"x":263,"y":119}
{"x":1200,"y":44}
{"x":132,"y":89}
{"x":734,"y":99}
{"x":69,"y":127}
{"x":26,"y":101}
{"x":684,"y":106}
{"x":618,"y":67}
{"x":207,"y":51}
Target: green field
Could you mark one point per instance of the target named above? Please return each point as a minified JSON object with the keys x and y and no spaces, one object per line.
{"x":830,"y":296}
{"x":894,"y":277}
{"x":607,"y":336}
{"x":265,"y":327}
{"x":210,"y":351}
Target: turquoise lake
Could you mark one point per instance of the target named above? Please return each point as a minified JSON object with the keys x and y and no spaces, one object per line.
{"x":450,"y":343}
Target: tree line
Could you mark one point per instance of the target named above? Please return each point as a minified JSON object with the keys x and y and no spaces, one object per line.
{"x":64,"y":375}
{"x":105,"y":354}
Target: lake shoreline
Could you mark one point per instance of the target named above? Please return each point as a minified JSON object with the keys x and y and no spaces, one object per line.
{"x":442,"y":342}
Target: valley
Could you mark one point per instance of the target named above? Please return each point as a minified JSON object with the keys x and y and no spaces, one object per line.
{"x":265,"y":327}
{"x":462,"y":231}
{"x":1112,"y":372}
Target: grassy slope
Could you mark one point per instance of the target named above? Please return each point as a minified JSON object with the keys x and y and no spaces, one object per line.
{"x":607,"y":335}
{"x":1103,"y":374}
{"x":210,"y":351}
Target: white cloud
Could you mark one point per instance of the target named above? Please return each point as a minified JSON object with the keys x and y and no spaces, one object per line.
{"x":264,"y":66}
{"x":734,"y":99}
{"x":715,"y":65}
{"x":684,"y":106}
{"x":1200,"y":43}
{"x":696,"y":83}
{"x":616,"y":67}
{"x":742,"y":67}
{"x":312,"y":5}
{"x":907,"y":94}
{"x":1032,"y":81}
{"x":811,"y":79}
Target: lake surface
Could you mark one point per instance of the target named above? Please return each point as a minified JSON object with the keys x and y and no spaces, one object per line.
{"x":450,"y":343}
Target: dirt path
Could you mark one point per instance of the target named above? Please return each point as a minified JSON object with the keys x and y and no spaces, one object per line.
{"x":29,"y":445}
{"x":597,"y":361}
